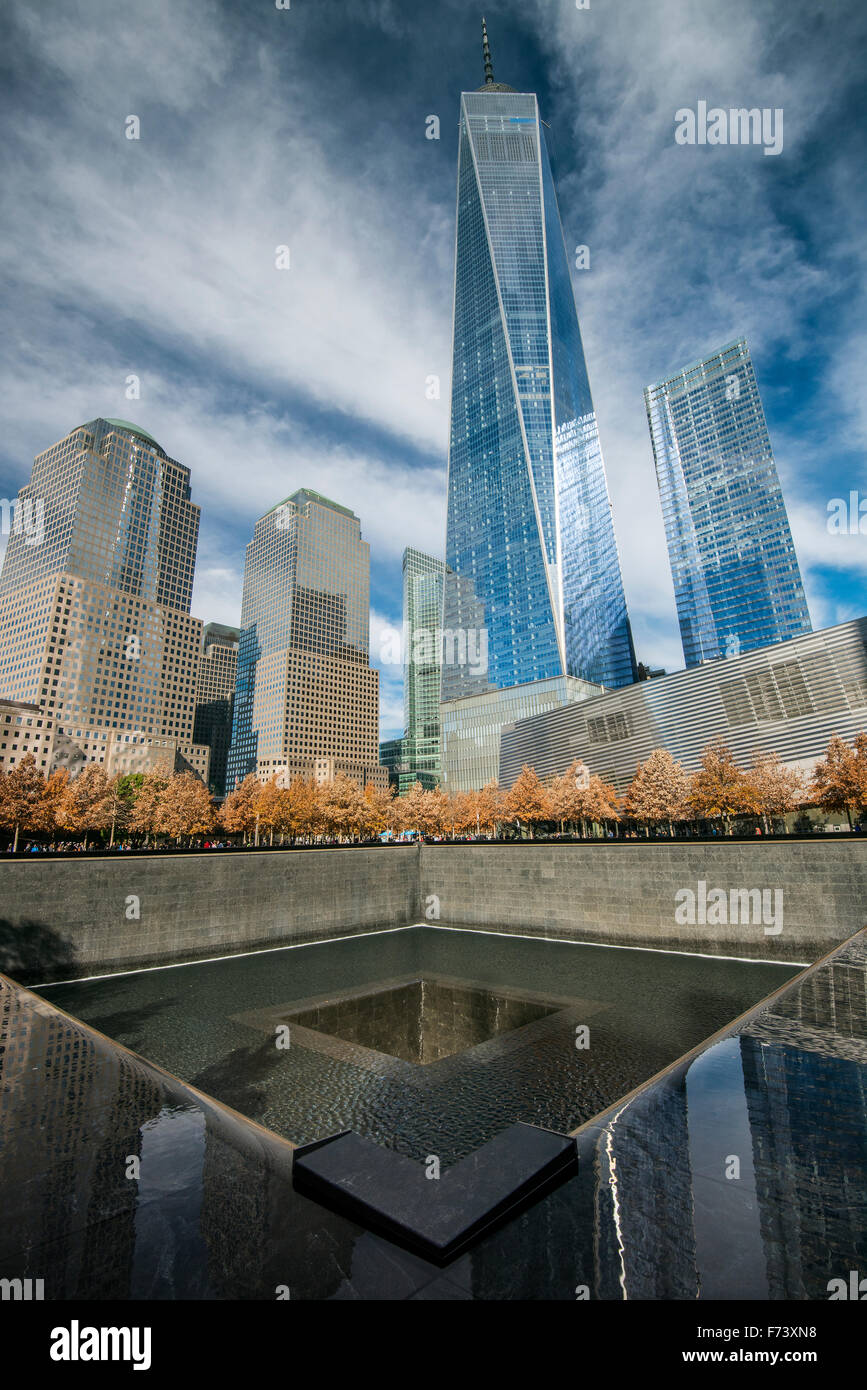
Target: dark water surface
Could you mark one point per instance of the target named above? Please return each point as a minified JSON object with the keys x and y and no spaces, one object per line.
{"x":498,"y":1015}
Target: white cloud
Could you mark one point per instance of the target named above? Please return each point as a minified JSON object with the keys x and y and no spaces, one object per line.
{"x":178,"y":231}
{"x":172,"y":239}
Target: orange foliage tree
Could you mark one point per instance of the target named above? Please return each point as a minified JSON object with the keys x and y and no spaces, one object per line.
{"x":21,"y":797}
{"x":840,"y":778}
{"x":658,"y":791}
{"x":527,"y":801}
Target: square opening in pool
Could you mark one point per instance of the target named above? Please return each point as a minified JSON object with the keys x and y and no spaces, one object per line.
{"x":422,"y":1020}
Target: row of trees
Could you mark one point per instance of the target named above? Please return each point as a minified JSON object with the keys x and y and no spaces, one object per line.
{"x":157,"y":806}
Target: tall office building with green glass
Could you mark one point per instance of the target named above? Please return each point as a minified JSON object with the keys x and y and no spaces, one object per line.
{"x":419,"y":757}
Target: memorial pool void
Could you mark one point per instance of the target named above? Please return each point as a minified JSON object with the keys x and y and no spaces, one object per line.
{"x":423,"y":1040}
{"x":214,"y":1209}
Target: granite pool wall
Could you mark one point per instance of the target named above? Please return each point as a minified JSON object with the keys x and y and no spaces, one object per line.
{"x":62,"y":919}
{"x":632,"y":894}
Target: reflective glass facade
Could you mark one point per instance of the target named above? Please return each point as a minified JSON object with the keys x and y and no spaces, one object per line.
{"x":215,"y":695}
{"x":422,"y":619}
{"x":472,"y":728}
{"x":530,"y":550}
{"x":736,"y":578}
{"x":416,"y":756}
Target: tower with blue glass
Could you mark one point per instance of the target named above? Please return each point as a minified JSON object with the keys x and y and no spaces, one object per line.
{"x":737,"y":583}
{"x":531,"y":555}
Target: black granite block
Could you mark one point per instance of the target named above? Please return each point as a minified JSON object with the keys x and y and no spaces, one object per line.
{"x":436,"y":1217}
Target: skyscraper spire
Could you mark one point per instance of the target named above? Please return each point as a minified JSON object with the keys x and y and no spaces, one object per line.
{"x":486,"y":54}
{"x":489,"y":84}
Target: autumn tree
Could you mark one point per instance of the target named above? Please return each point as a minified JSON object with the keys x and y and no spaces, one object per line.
{"x":527,"y":800}
{"x":185,"y":808}
{"x":434,"y":812}
{"x":301,"y":808}
{"x":567,"y":795}
{"x":52,"y":796}
{"x":772,"y":789}
{"x":840,"y":778}
{"x":491,"y":809}
{"x":718,"y":790}
{"x":340,"y":806}
{"x":238,"y":814}
{"x":21,"y":797}
{"x":463,"y":813}
{"x":86,"y":803}
{"x":270,"y":806}
{"x":411,"y":809}
{"x":601,"y":801}
{"x":377,"y":810}
{"x":145,"y":810}
{"x":658,"y":791}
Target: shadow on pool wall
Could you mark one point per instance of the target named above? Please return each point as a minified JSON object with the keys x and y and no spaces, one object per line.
{"x":77,"y":917}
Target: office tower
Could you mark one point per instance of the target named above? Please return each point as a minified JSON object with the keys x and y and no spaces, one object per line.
{"x":531,"y":554}
{"x":422,"y":625}
{"x":736,"y":578}
{"x":95,"y":623}
{"x":215,"y":696}
{"x":306,"y":698}
{"x":391,"y":758}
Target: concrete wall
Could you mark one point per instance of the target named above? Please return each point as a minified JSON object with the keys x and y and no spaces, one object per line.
{"x":64,"y":918}
{"x":625,"y":893}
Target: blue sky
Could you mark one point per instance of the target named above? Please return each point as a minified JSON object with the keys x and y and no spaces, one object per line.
{"x":306,"y":127}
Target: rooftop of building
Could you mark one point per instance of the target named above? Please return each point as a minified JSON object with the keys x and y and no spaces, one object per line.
{"x":24,"y":705}
{"x":700,"y":362}
{"x":307,"y":494}
{"x":218,"y":634}
{"x":130,"y":428}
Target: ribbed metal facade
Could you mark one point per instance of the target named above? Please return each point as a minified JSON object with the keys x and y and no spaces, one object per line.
{"x":786,"y":698}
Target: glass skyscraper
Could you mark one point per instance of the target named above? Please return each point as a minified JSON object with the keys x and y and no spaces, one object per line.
{"x":215,"y":696}
{"x":736,"y":578}
{"x":422,"y":613}
{"x":531,"y":556}
{"x":416,"y":756}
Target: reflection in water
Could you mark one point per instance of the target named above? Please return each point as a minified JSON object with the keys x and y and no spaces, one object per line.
{"x":170,"y":1199}
{"x":456,"y":1077}
{"x":650,"y":1214}
{"x":728,"y":1237}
